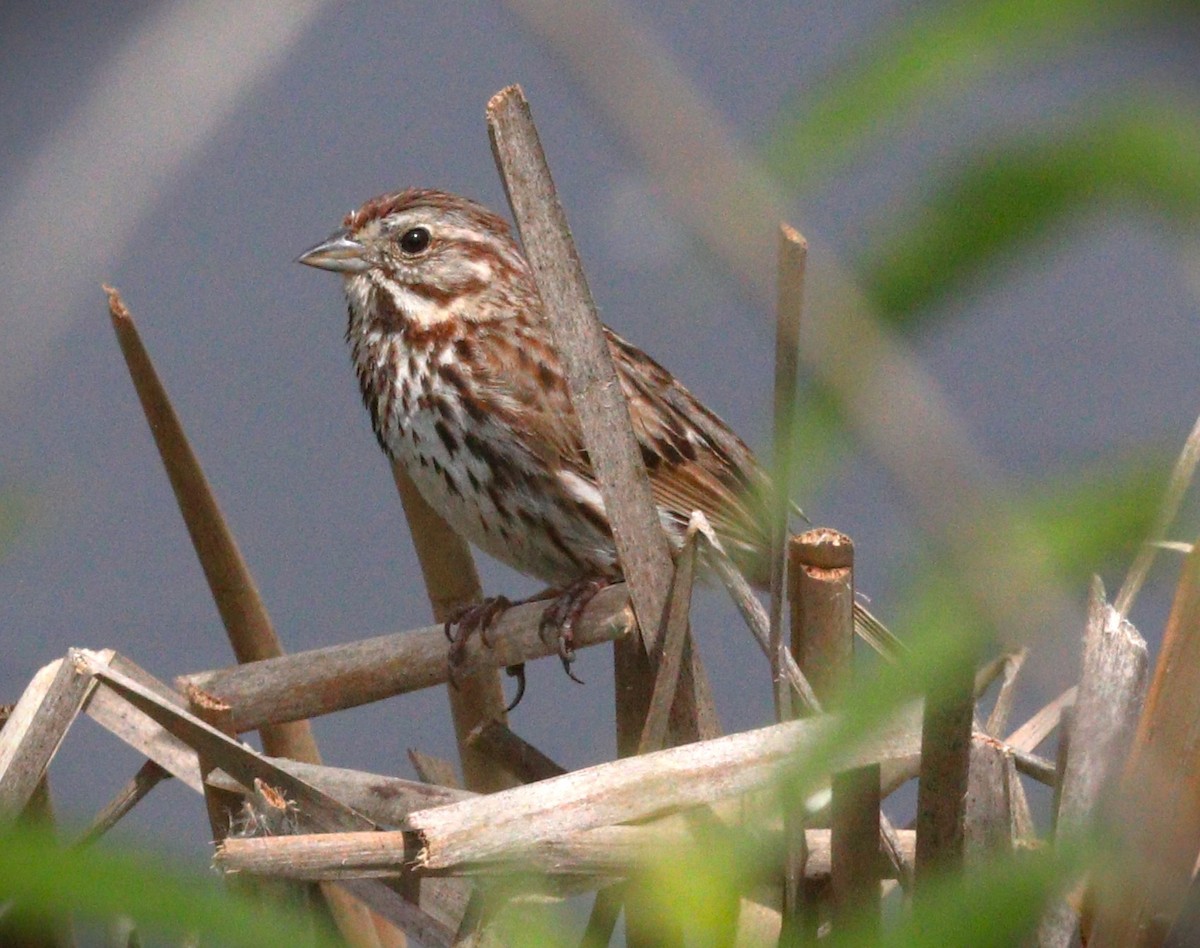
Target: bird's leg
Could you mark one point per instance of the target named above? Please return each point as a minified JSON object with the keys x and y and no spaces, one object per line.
{"x":558,"y":621}
{"x":481,"y":617}
{"x":476,"y":617}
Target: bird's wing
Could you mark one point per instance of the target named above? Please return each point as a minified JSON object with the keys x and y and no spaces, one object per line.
{"x":693,"y":460}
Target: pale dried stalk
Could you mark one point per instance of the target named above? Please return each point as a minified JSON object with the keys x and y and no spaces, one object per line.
{"x":753,"y":613}
{"x":1030,"y":735}
{"x":789,"y":309}
{"x":988,"y":816}
{"x":149,"y":776}
{"x":36,"y":727}
{"x":1112,"y":689}
{"x":510,"y":751}
{"x":384,"y":800}
{"x":597,"y":855}
{"x":1177,"y":487}
{"x":146,"y":736}
{"x":945,"y":759}
{"x":673,"y":642}
{"x":320,"y":681}
{"x":1012,"y":664}
{"x":635,"y":788}
{"x":318,"y":810}
{"x":234,"y":591}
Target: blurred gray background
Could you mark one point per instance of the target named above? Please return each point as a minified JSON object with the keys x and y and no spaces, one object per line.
{"x":188,"y":152}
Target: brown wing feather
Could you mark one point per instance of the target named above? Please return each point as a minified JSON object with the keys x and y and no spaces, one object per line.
{"x":693,"y":459}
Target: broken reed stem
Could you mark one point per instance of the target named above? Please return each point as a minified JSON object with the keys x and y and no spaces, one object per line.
{"x":35,"y":728}
{"x":1177,"y":487}
{"x":514,"y":754}
{"x":673,"y":643}
{"x":320,"y":681}
{"x":247,"y":624}
{"x":1012,"y":664}
{"x":603,"y":413}
{"x":635,"y":788}
{"x":945,"y":761}
{"x":233,"y":589}
{"x":821,"y":587}
{"x":149,"y":776}
{"x":596,"y":392}
{"x":752,"y":611}
{"x":1030,"y":735}
{"x":589,"y":858}
{"x":793,"y":257}
{"x":317,"y":810}
{"x":1112,"y":688}
{"x":607,"y":433}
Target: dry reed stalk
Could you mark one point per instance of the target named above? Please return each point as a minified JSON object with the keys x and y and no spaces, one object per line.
{"x":988,"y":811}
{"x":673,"y":644}
{"x":1030,"y":735}
{"x":36,"y":727}
{"x":942,"y":792}
{"x":1111,"y":692}
{"x":146,"y":736}
{"x":384,"y":800}
{"x":233,"y":589}
{"x":318,"y":811}
{"x":789,"y":310}
{"x":513,"y":753}
{"x":1177,"y":488}
{"x":220,"y":804}
{"x":323,"y":680}
{"x":603,"y":415}
{"x":439,"y":777}
{"x":821,"y":592}
{"x":752,"y":612}
{"x":149,"y":776}
{"x":607,"y":433}
{"x":593,"y":857}
{"x":1011,"y":665}
{"x":635,"y":788}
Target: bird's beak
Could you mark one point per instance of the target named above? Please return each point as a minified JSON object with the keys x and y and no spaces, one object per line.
{"x":339,"y":253}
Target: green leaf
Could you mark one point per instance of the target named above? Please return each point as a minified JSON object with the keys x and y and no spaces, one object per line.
{"x":1079,"y":519}
{"x":998,"y":904}
{"x":1096,"y":516}
{"x":924,"y":59}
{"x":48,"y":880}
{"x":1146,"y":154}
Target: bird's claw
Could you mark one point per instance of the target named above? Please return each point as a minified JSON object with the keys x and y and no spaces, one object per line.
{"x":465,"y":622}
{"x":558,"y":621}
{"x":517,"y":672}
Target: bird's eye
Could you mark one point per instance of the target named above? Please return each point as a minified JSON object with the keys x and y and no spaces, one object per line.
{"x":414,"y":240}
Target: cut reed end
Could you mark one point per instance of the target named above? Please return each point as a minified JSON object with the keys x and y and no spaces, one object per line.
{"x":116,"y":306}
